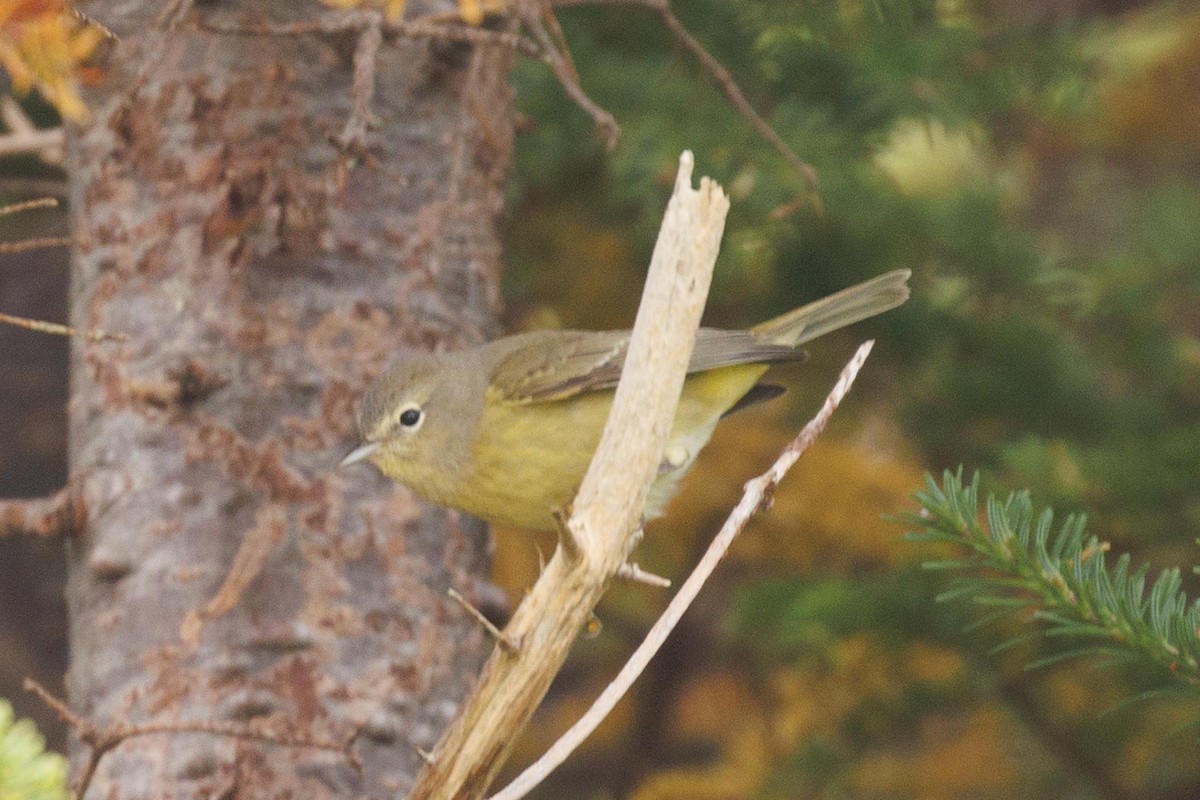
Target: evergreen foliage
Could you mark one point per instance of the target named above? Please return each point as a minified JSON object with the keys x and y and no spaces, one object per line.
{"x":1020,"y":563}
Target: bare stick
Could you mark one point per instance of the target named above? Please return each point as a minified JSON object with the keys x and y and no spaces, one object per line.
{"x":608,"y":509}
{"x":456,"y":32}
{"x":362,"y":87}
{"x":756,"y":496}
{"x":62,"y":330}
{"x":40,"y":243}
{"x":28,"y":205}
{"x":101,"y":740}
{"x":634,"y":573}
{"x":719,"y":75}
{"x":25,"y":138}
{"x":87,"y":20}
{"x":483,"y":621}
{"x":448,"y":29}
{"x":60,"y":514}
{"x":174,"y":12}
{"x":610,"y":131}
{"x":728,"y":86}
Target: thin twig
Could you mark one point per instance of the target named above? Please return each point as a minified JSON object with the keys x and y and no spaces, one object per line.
{"x":83,"y":729}
{"x":173,"y":13}
{"x":559,"y":39}
{"x":757,"y":496}
{"x":93,"y":335}
{"x":719,"y":75}
{"x":424,"y":29}
{"x":362,"y":86}
{"x":25,"y":245}
{"x":100,"y":741}
{"x":44,"y":143}
{"x":60,"y":514}
{"x":635,"y":574}
{"x":447,"y":28}
{"x":26,"y":138}
{"x":542,"y":47}
{"x":605,"y":122}
{"x":87,"y":20}
{"x":733,"y":94}
{"x":59,"y":707}
{"x":504,"y":641}
{"x":549,"y":46}
{"x":29,"y":205}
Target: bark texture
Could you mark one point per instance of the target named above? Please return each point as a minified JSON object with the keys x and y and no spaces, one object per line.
{"x":264,"y":274}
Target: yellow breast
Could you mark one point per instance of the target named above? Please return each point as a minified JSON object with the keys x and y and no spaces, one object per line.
{"x":529,"y":459}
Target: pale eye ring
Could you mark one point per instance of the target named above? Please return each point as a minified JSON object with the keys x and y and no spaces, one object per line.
{"x":411,"y":417}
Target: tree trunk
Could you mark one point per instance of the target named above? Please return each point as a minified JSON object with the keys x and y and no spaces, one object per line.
{"x":263,"y":275}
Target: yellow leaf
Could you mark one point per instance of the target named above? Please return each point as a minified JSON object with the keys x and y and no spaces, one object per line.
{"x":393,"y":10}
{"x":42,"y":47}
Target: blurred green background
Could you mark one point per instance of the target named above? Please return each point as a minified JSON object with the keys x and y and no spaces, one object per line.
{"x":1036,"y":164}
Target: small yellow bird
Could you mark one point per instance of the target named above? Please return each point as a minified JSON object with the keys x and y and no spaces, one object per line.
{"x":505,"y":431}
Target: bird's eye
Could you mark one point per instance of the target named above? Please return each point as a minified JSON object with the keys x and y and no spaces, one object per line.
{"x":410,"y":417}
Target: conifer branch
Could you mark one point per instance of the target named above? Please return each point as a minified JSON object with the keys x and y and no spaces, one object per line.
{"x":1018,"y":563}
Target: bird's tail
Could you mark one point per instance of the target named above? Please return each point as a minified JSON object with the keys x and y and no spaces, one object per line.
{"x":838,"y":310}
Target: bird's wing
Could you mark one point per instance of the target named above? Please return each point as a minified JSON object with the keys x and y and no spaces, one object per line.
{"x":552,"y":365}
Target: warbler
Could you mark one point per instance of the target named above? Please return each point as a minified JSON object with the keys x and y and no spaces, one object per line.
{"x":505,"y":431}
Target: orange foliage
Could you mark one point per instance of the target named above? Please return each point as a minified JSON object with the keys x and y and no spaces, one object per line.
{"x":471,"y":11}
{"x":393,"y":10}
{"x":719,"y":708}
{"x":983,"y":754}
{"x":751,"y":726}
{"x":552,"y":719}
{"x":1153,"y":108}
{"x":829,"y":510}
{"x":736,"y":776}
{"x":596,"y":289}
{"x":42,"y":46}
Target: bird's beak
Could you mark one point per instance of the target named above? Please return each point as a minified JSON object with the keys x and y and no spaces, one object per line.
{"x":360,"y":453}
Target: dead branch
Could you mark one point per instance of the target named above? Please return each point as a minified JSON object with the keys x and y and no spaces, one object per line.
{"x":92,"y":335}
{"x":29,"y":205}
{"x":433,"y":27}
{"x":597,"y":537}
{"x":719,"y":76}
{"x":563,"y":69}
{"x":100,"y":741}
{"x":25,"y":138}
{"x":547,"y":45}
{"x":457,"y":32}
{"x":728,"y":86}
{"x":756,"y":497}
{"x":362,"y":86}
{"x":87,"y":20}
{"x":41,"y":243}
{"x":484,"y":622}
{"x":60,"y":514}
{"x":173,"y":13}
